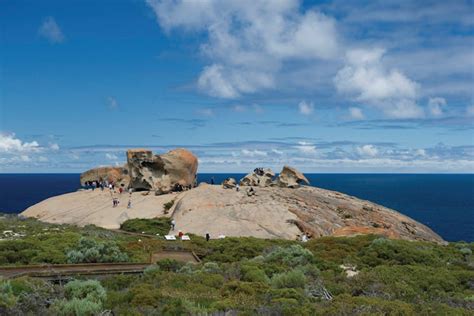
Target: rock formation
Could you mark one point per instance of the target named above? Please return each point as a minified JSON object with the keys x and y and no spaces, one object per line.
{"x":273,"y":212}
{"x":260,"y":177}
{"x":164,"y":173}
{"x":118,"y":175}
{"x":290,"y":178}
{"x":229,"y":183}
{"x":161,"y":173}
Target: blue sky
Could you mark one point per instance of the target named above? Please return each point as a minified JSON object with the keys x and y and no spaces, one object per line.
{"x":325,"y":86}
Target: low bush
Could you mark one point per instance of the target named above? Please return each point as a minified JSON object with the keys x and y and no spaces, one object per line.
{"x":91,"y":251}
{"x":153,"y":226}
{"x":290,"y":279}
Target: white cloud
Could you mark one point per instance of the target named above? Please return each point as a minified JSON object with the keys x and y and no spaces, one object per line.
{"x":111,"y":156}
{"x":54,"y":146}
{"x":356,"y":113}
{"x":253,"y":153}
{"x":306,"y":108}
{"x":249,"y":41}
{"x":306,"y":148}
{"x":50,"y":30}
{"x":436,"y":106}
{"x":25,"y":158}
{"x":112,"y":103}
{"x":277,"y":152}
{"x":367,"y":79}
{"x":10,"y":144}
{"x":421,"y":152}
{"x":367,"y":150}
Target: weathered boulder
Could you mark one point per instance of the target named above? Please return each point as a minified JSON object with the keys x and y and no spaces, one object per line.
{"x":259,"y":177}
{"x":229,"y":183}
{"x":161,"y":173}
{"x":290,"y":178}
{"x":117,"y":175}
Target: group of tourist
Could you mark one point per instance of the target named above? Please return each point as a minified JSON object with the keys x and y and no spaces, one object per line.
{"x":99,"y":184}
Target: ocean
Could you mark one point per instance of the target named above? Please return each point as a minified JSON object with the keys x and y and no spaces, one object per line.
{"x":444,"y":202}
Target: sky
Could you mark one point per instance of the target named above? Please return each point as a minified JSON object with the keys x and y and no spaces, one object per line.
{"x":324,"y":86}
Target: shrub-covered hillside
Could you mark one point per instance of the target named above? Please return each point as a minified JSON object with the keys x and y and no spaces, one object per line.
{"x":365,"y":275}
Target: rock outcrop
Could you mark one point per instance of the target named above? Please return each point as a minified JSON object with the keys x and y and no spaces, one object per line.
{"x":161,"y":173}
{"x":229,"y":183}
{"x":117,"y":175}
{"x":273,"y":212}
{"x":260,"y":177}
{"x":290,"y":178}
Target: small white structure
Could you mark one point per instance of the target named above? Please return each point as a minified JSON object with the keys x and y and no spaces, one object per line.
{"x":170,"y":237}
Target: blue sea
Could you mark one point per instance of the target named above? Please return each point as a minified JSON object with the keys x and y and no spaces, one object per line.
{"x":444,"y":202}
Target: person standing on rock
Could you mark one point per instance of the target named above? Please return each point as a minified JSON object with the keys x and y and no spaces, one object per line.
{"x":212,"y":180}
{"x":173,"y":224}
{"x":208,"y":236}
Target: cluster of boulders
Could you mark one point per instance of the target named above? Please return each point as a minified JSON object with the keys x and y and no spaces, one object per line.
{"x":264,"y":177}
{"x":173,"y":171}
{"x":176,"y":171}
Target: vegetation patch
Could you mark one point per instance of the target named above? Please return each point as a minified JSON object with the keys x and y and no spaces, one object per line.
{"x":154,"y":226}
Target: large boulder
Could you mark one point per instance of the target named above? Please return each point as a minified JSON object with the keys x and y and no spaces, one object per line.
{"x":290,"y":178}
{"x":161,"y":173}
{"x":260,"y":177}
{"x":117,"y":175}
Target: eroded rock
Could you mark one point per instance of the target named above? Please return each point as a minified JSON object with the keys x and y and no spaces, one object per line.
{"x":289,"y":177}
{"x":260,"y":177}
{"x":229,"y":183}
{"x":117,"y":175}
{"x":161,"y":173}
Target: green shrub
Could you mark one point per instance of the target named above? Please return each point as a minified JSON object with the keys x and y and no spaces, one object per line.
{"x":91,"y":290}
{"x":7,"y":298}
{"x":290,"y":279}
{"x":169,"y":265}
{"x":211,"y":267}
{"x":290,"y":256}
{"x":77,"y":307}
{"x":252,"y":273}
{"x":152,"y":226}
{"x":91,"y":251}
{"x":167,"y":206}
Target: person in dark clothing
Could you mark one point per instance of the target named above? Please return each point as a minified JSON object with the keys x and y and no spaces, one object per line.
{"x":212,"y":180}
{"x":208,"y":236}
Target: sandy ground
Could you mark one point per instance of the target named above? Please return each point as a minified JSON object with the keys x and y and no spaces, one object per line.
{"x":95,"y":207}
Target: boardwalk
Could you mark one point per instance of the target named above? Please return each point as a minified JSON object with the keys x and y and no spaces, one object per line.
{"x":54,"y":271}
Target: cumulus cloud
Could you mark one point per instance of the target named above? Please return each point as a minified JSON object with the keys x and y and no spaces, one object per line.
{"x":436,"y":106}
{"x":54,"y":146}
{"x":10,"y":144}
{"x":306,"y":108}
{"x":356,"y":113}
{"x":51,"y":31}
{"x":367,"y":79}
{"x":367,"y":150}
{"x":249,"y":41}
